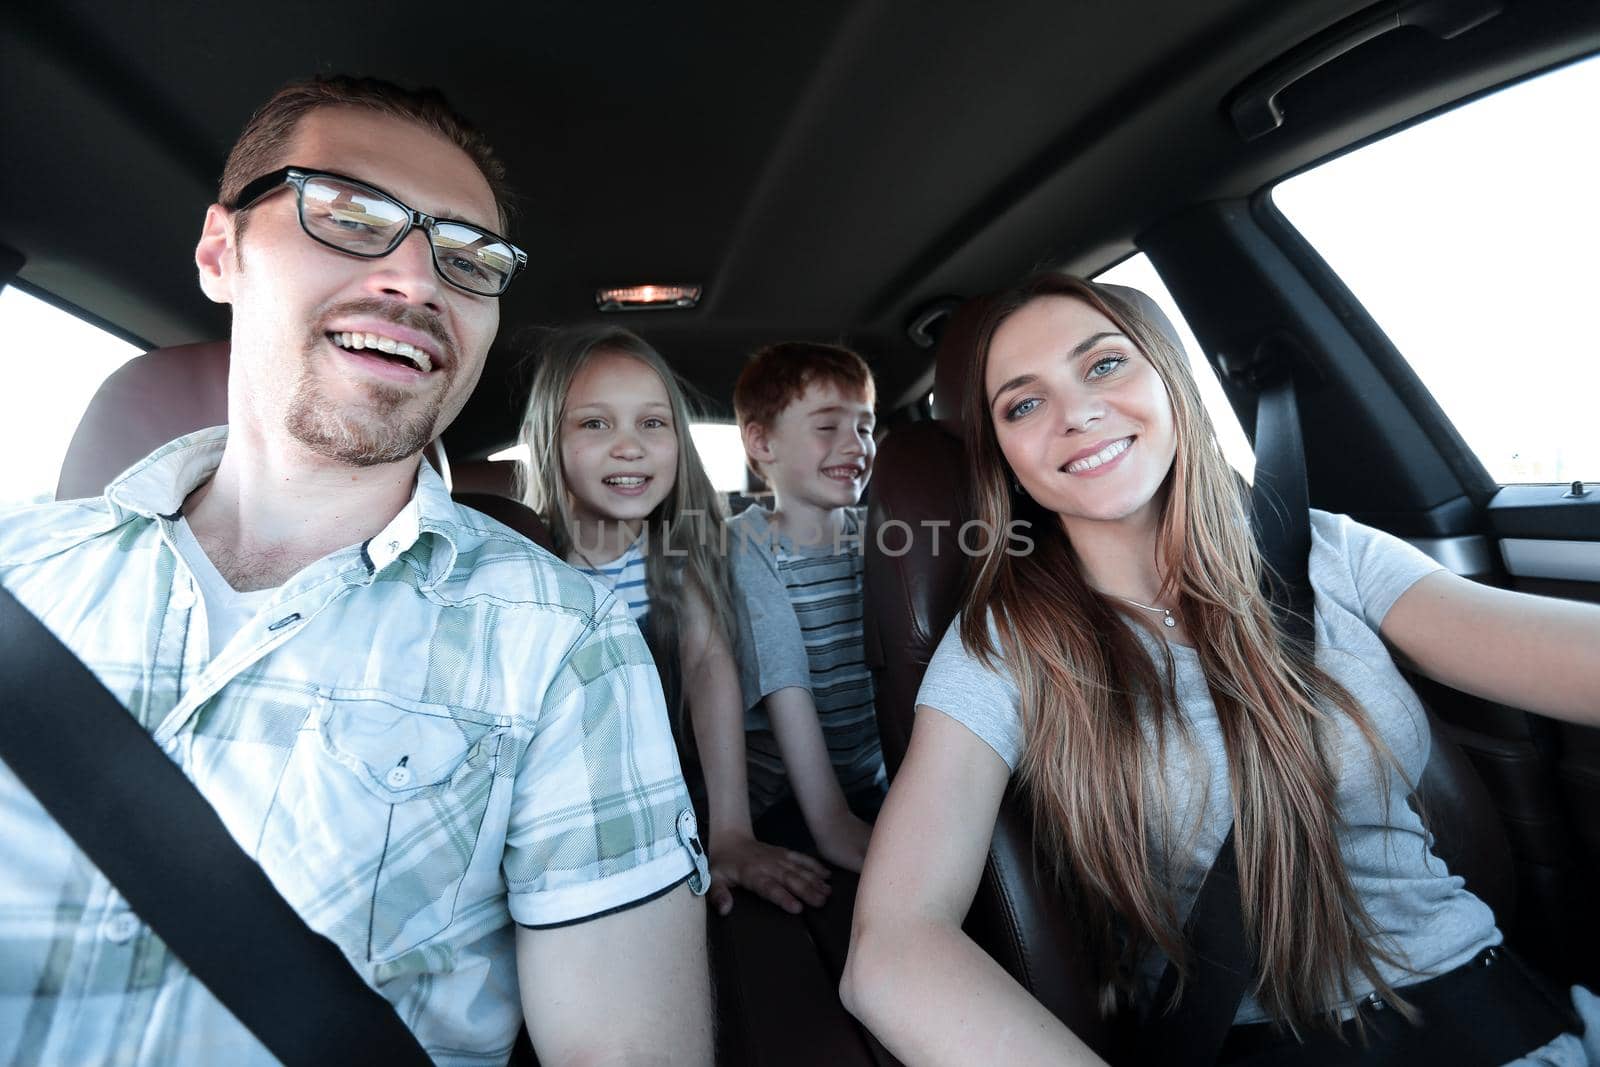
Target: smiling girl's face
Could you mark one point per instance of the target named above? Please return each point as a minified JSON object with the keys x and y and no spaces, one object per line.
{"x":1080,"y":413}
{"x":619,"y":447}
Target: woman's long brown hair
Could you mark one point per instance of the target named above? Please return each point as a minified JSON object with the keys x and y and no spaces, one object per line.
{"x":1085,"y":678}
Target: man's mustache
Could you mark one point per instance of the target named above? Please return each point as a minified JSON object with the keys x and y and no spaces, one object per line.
{"x":412,"y":318}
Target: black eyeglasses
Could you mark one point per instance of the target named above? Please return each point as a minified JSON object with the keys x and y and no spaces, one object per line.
{"x":363,"y":220}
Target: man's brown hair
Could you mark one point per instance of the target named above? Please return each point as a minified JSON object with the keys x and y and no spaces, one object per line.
{"x":779,"y":374}
{"x":260,"y":147}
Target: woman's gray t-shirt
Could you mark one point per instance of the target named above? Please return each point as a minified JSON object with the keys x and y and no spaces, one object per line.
{"x":1425,"y":913}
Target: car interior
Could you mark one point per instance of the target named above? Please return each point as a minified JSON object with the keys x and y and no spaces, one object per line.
{"x":865,"y":173}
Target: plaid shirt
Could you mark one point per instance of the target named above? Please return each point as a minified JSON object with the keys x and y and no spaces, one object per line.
{"x":419,"y":738}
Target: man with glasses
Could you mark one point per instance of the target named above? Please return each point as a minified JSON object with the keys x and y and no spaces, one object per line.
{"x":448,"y":751}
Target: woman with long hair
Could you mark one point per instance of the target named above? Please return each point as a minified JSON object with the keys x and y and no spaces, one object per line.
{"x":1129,"y":671}
{"x":615,"y":476}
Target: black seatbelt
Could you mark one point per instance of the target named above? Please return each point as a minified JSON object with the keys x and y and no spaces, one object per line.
{"x":1280,"y":509}
{"x":106,"y":782}
{"x":1221,"y":965}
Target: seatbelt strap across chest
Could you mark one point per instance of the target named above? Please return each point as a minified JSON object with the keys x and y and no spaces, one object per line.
{"x":1221,"y":966}
{"x":133,"y":812}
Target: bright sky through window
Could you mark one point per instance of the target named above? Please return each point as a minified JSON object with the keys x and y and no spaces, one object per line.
{"x":1471,"y":238}
{"x":53,"y":364}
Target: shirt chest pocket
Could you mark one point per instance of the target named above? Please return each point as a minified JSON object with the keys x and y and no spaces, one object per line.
{"x":381,"y":818}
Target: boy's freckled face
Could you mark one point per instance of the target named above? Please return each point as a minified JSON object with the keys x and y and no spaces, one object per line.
{"x":820,"y":448}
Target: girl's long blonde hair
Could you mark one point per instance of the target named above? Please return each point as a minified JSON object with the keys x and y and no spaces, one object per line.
{"x":1085,"y":678}
{"x":684,"y":533}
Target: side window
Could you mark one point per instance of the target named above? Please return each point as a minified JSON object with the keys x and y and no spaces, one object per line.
{"x":1139,"y":273}
{"x":722,"y":451}
{"x":1470,"y":239}
{"x":53,"y":363}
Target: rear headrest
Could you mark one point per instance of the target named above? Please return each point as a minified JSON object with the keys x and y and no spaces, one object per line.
{"x":496,"y":476}
{"x":958,"y":348}
{"x":148,"y":401}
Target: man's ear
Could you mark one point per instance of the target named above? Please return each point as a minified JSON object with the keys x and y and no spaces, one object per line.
{"x":757,"y":446}
{"x":215,"y":255}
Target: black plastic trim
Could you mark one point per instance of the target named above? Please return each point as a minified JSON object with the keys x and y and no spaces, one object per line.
{"x":67,"y":306}
{"x":1542,"y":511}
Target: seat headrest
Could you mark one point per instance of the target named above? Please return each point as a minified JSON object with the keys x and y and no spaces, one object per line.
{"x":958,"y":347}
{"x":145,"y":403}
{"x":148,"y":401}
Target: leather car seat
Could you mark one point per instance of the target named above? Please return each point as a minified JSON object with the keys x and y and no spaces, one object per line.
{"x":168,"y":392}
{"x":1019,"y":915}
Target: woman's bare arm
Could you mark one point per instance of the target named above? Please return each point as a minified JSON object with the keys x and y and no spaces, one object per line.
{"x":1531,"y":652}
{"x":913,"y":977}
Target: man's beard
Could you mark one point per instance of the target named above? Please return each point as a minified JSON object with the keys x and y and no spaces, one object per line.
{"x":383,"y":435}
{"x":377,"y":431}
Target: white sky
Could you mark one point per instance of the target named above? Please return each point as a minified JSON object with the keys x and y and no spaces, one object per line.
{"x":1473,"y":240}
{"x":53,"y":364}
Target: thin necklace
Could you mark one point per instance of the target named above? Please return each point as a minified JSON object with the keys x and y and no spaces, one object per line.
{"x":589,"y":562}
{"x":1166,"y":613}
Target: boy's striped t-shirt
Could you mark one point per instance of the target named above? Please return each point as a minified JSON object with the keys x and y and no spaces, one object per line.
{"x":801,"y":623}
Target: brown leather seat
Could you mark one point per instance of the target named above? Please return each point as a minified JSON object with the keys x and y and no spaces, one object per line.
{"x":1019,"y":916}
{"x":169,"y":392}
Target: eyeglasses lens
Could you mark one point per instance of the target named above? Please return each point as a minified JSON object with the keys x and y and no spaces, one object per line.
{"x":349,"y":217}
{"x":369,"y":224}
{"x":471,"y":258}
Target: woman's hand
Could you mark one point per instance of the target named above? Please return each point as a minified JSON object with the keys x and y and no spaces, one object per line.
{"x":788,"y":879}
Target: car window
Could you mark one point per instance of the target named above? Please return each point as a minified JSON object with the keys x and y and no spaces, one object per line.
{"x":1139,"y":273}
{"x":722,"y":452}
{"x":1470,"y":239}
{"x":54,"y":362}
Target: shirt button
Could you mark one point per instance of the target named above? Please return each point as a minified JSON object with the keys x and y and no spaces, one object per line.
{"x":398,"y":777}
{"x":182,"y":598}
{"x":120,"y":928}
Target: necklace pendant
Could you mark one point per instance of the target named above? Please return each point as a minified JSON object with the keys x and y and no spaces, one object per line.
{"x":1168,"y":620}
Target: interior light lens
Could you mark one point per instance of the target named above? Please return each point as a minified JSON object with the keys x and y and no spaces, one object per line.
{"x":647,"y":297}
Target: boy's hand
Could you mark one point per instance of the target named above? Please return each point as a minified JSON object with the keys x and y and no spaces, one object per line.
{"x":786,"y":878}
{"x":842,"y":841}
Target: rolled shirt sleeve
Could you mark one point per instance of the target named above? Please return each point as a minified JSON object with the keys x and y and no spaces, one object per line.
{"x":600,"y":815}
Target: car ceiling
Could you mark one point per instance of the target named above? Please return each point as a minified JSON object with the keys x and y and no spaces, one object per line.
{"x":824,"y":169}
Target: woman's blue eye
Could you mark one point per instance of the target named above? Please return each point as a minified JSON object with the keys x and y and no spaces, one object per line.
{"x":1016,"y":411}
{"x":1105,"y":365}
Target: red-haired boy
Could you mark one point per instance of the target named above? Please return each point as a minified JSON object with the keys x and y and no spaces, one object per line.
{"x":806,"y":415}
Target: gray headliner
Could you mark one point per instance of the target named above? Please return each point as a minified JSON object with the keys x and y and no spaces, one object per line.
{"x":824,"y":169}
